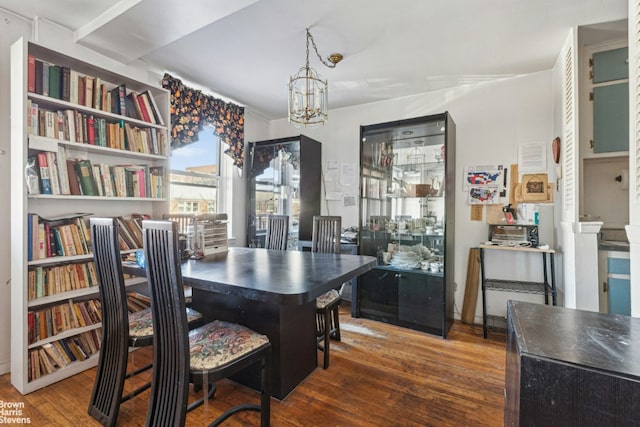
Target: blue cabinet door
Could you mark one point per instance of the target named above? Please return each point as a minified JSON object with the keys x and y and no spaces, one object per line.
{"x":619,"y":296}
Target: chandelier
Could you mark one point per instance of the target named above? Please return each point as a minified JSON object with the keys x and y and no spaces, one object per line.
{"x":308,"y":92}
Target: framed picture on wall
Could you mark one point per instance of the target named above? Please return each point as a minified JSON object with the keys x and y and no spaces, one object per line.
{"x":534,"y":187}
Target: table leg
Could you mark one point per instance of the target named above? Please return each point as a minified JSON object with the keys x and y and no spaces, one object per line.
{"x":546,"y":280}
{"x":553,"y":280}
{"x":484,"y":298}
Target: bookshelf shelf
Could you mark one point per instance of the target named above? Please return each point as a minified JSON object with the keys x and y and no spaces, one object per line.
{"x":93,"y":290}
{"x":115,"y":151}
{"x":97,"y":198}
{"x":58,"y":103}
{"x":66,"y":259}
{"x":42,"y":143}
{"x":65,"y":334}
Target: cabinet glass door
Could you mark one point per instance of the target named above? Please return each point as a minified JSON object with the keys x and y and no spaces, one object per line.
{"x":276,"y":184}
{"x":403,"y":193}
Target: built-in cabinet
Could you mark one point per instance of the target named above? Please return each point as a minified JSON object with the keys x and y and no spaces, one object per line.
{"x":284,"y":177}
{"x":406,"y":221}
{"x":80,"y":146}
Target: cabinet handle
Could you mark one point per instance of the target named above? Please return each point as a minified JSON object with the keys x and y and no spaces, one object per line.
{"x":604,"y":287}
{"x":398,"y":275}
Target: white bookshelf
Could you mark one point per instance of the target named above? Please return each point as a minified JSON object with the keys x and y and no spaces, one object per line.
{"x":23,"y":145}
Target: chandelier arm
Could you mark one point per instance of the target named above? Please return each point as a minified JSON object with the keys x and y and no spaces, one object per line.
{"x":315,"y":48}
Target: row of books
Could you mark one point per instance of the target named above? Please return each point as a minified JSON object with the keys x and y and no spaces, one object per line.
{"x":51,"y":280}
{"x":137,"y":301}
{"x":53,"y":320}
{"x":74,"y":126}
{"x":69,"y":235}
{"x":58,"y":237}
{"x":59,"y":175}
{"x":50,"y":357}
{"x":69,"y":85}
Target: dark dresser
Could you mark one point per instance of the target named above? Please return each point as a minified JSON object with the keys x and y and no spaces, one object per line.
{"x":568,"y":367}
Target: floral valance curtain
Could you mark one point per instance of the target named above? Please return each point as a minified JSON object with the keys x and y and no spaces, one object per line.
{"x":191,"y":110}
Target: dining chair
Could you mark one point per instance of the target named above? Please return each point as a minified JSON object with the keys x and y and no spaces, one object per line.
{"x":325,"y":237}
{"x":202,"y":356}
{"x":277,"y":236}
{"x":120,"y":329}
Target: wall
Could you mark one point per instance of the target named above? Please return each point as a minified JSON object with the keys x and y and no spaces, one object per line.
{"x":491,"y":119}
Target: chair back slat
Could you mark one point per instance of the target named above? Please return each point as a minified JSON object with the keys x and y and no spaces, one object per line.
{"x":105,"y":398}
{"x":170,"y":383}
{"x":326,"y":234}
{"x":277,"y":236}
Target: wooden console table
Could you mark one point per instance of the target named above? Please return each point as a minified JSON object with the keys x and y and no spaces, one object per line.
{"x":542,"y":288}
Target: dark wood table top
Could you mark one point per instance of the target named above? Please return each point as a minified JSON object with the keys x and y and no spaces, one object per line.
{"x":277,"y":277}
{"x":581,"y":338}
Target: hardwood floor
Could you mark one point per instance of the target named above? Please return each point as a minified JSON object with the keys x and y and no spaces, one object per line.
{"x":380,"y":375}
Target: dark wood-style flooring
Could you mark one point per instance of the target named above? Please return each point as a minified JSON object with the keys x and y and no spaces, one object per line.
{"x":380,"y":375}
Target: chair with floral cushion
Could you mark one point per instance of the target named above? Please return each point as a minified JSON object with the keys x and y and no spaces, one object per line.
{"x":202,"y":356}
{"x":277,"y":236}
{"x":326,"y":238}
{"x":120,"y":329}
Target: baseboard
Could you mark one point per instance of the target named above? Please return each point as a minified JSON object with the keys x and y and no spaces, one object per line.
{"x":5,"y":368}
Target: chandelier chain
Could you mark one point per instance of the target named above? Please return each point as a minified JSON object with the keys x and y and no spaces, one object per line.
{"x":315,"y":48}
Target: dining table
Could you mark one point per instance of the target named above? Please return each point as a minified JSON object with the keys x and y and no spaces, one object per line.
{"x":272,"y":292}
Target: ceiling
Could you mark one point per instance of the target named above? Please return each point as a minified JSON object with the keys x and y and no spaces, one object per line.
{"x":245,"y":50}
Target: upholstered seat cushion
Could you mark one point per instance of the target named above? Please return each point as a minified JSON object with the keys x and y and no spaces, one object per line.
{"x":327,"y":298}
{"x":218,"y":343}
{"x":141,"y":323}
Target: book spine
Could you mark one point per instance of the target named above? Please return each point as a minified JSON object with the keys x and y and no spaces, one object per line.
{"x":45,"y":79}
{"x":53,"y":173}
{"x":38,"y":76}
{"x":85,"y":177}
{"x":143,"y":108}
{"x":45,"y":182}
{"x":74,"y":183}
{"x":154,"y":108}
{"x":31,"y":73}
{"x":66,"y":84}
{"x":55,"y":81}
{"x":73,"y":86}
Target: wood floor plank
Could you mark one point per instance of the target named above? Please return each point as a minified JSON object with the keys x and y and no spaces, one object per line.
{"x":380,"y":375}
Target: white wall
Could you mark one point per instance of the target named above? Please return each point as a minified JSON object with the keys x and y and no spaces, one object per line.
{"x":491,"y":120}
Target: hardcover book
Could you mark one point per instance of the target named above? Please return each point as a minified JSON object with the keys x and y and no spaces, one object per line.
{"x":84,"y":171}
{"x":45,"y":181}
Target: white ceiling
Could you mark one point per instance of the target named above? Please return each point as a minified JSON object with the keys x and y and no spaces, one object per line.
{"x":247,"y":49}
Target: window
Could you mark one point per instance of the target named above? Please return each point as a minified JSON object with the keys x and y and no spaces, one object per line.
{"x":195,"y":175}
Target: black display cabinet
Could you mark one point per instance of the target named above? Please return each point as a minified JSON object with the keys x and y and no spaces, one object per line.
{"x":284,"y":178}
{"x":407,"y":221}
